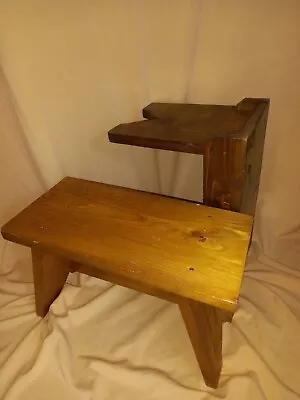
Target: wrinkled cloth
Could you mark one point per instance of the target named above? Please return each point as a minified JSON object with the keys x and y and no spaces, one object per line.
{"x":101,"y":341}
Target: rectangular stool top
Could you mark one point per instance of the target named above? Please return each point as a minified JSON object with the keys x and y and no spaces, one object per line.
{"x":177,"y":248}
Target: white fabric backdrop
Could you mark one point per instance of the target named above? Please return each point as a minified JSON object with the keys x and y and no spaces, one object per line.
{"x":70,"y":72}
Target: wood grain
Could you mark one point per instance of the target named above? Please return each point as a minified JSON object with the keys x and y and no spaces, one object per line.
{"x":180,"y":127}
{"x":50,"y":273}
{"x":232,"y":166}
{"x":177,"y":250}
{"x":204,"y":326}
{"x":184,"y":127}
{"x":231,"y":138}
{"x":166,"y":247}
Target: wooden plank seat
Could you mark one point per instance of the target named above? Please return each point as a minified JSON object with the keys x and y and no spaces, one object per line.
{"x":177,"y":250}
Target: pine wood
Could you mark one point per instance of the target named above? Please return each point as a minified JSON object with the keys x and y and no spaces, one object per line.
{"x":204,"y":326}
{"x":177,"y":250}
{"x":181,"y":127}
{"x":50,"y":273}
{"x":231,"y":139}
{"x":232,"y":165}
{"x":163,"y":246}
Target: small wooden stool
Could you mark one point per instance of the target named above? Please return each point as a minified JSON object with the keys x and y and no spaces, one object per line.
{"x":230,"y":139}
{"x":177,"y":250}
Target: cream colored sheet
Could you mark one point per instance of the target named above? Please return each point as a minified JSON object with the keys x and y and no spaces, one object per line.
{"x":101,"y":341}
{"x":72,"y":71}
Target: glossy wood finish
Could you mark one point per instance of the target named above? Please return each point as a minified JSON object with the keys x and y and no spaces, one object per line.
{"x":231,"y":138}
{"x":163,"y":246}
{"x":177,"y":250}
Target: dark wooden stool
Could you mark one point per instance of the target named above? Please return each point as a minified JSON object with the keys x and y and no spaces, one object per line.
{"x":230,"y":138}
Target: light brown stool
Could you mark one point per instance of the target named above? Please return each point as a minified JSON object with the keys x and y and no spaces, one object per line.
{"x":177,"y":250}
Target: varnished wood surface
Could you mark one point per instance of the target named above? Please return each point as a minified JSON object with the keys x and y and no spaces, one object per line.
{"x":232,"y":166}
{"x":166,"y":247}
{"x":50,"y":273}
{"x":204,"y":326}
{"x":231,"y":138}
{"x":185,"y":127}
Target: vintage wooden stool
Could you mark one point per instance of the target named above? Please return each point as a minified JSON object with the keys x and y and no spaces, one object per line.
{"x":230,"y":138}
{"x":174,"y":249}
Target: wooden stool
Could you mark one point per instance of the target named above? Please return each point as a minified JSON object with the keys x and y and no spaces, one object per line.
{"x":230,"y":138}
{"x":181,"y":251}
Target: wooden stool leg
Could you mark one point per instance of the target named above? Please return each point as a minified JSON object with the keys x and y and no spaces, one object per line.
{"x":204,"y":325}
{"x":50,"y":273}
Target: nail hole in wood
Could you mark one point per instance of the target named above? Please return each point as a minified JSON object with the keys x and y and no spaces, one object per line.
{"x":191,"y":269}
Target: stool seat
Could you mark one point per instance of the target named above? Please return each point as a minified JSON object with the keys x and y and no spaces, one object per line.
{"x":178,"y":250}
{"x":172,"y":246}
